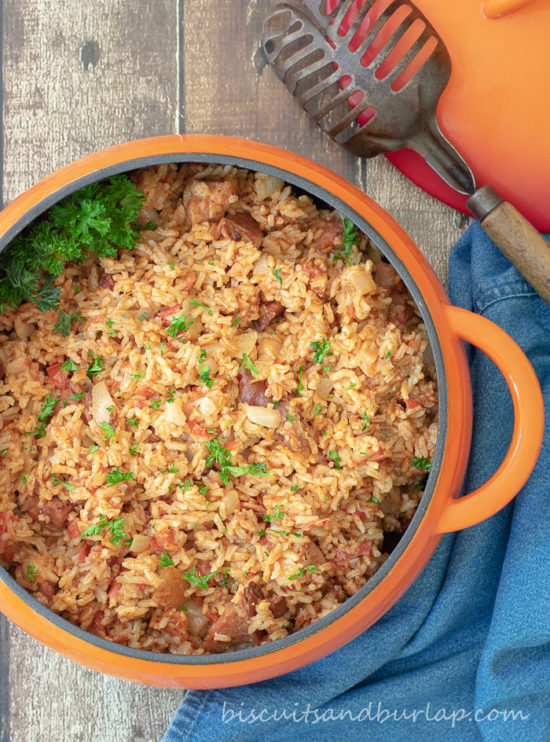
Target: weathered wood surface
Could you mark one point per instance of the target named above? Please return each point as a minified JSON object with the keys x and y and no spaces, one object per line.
{"x":81,"y":76}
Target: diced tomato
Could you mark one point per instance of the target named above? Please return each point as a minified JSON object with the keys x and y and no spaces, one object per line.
{"x":412,"y":403}
{"x":114,"y":589}
{"x":98,"y":620}
{"x":263,"y":540}
{"x":57,"y":377}
{"x":83,"y":553}
{"x":46,"y":588}
{"x":364,"y":549}
{"x":146,"y":391}
{"x":211,"y":615}
{"x":232,"y":445}
{"x":402,"y":317}
{"x":200,"y":431}
{"x":73,"y":529}
{"x":5,"y":519}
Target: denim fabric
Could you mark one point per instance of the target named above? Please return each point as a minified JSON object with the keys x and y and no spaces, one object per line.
{"x":472,"y":634}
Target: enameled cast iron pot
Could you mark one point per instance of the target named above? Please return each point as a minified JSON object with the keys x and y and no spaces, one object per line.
{"x":439,"y":510}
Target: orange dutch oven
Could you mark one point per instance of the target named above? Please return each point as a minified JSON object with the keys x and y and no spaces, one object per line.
{"x":440,"y":510}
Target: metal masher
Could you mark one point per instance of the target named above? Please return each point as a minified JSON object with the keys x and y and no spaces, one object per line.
{"x":370,"y":73}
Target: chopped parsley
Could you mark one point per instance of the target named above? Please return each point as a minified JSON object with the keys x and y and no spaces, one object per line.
{"x":291,"y":418}
{"x":32,"y":571}
{"x":321,"y":348}
{"x":300,"y":383}
{"x":277,"y":274}
{"x":388,"y":354}
{"x":73,"y":396}
{"x":95,"y":366}
{"x":336,"y":458}
{"x":137,"y":377}
{"x":422,"y":463}
{"x":366,"y":420}
{"x":134,"y":450}
{"x":165,"y":560}
{"x":132,"y":421}
{"x":69,"y":366}
{"x":276,"y":515}
{"x":235,"y":322}
{"x":349,"y":238}
{"x":199,"y":580}
{"x":204,"y":371}
{"x":108,"y":430}
{"x":223,"y":457}
{"x":94,"y":448}
{"x":143,"y":317}
{"x":96,"y":219}
{"x":67,"y":485}
{"x":350,"y":386}
{"x":374,"y":499}
{"x":317,"y":410}
{"x":246,"y":362}
{"x":45,"y":414}
{"x":196,"y":303}
{"x":115,"y":476}
{"x":178,"y":325}
{"x":64,"y":322}
{"x":3,"y":452}
{"x":155,"y":404}
{"x":150,"y":226}
{"x":116,"y":528}
{"x":295,"y":488}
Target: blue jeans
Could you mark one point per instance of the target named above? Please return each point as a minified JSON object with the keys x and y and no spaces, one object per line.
{"x":465,"y":653}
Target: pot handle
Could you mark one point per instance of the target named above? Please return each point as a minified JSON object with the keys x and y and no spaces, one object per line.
{"x":526,"y":441}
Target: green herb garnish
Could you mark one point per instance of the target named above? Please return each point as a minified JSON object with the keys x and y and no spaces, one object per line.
{"x":235,"y":322}
{"x":196,"y":303}
{"x":45,"y":413}
{"x":300,"y":384}
{"x":96,"y":219}
{"x":67,"y":485}
{"x":366,"y":420}
{"x":165,"y":560}
{"x":94,"y":448}
{"x":95,"y":366}
{"x":317,"y":410}
{"x":69,"y":366}
{"x":321,"y":348}
{"x":336,"y":458}
{"x":277,"y":274}
{"x":134,"y":450}
{"x":199,"y":580}
{"x":32,"y":571}
{"x":246,"y":362}
{"x":115,"y":476}
{"x":349,"y":238}
{"x":178,"y":325}
{"x":132,"y":422}
{"x":422,"y":463}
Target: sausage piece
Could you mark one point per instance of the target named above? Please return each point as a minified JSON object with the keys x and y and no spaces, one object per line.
{"x":268,"y":312}
{"x":252,"y":392}
{"x":207,"y":200}
{"x":55,"y":510}
{"x":240,"y":227}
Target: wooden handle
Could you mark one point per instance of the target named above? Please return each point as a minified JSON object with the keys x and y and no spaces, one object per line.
{"x":516,"y":237}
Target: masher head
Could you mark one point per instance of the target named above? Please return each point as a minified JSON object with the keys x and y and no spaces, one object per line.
{"x":370,"y":73}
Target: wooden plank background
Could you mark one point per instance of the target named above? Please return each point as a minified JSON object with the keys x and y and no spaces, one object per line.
{"x":77,"y":77}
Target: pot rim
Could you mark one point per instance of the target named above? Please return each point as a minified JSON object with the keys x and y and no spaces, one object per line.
{"x":335,"y":202}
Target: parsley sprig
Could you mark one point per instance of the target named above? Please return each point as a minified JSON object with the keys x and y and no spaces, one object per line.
{"x":199,"y":580}
{"x":44,"y":415}
{"x":223,"y":457}
{"x":115,"y":476}
{"x":321,"y":348}
{"x":349,"y":238}
{"x":96,"y":219}
{"x":116,"y":528}
{"x":179,"y":325}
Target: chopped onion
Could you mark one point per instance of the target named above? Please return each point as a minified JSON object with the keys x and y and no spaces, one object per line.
{"x":206,"y":406}
{"x":324,"y":387}
{"x":266,"y":416}
{"x":174,"y":414}
{"x":198,"y":623}
{"x":231,"y":501}
{"x":361,"y":279}
{"x":101,"y":401}
{"x":266,"y":185}
{"x":140,"y":543}
{"x":23,"y":330}
{"x":260,"y":266}
{"x":245,"y":342}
